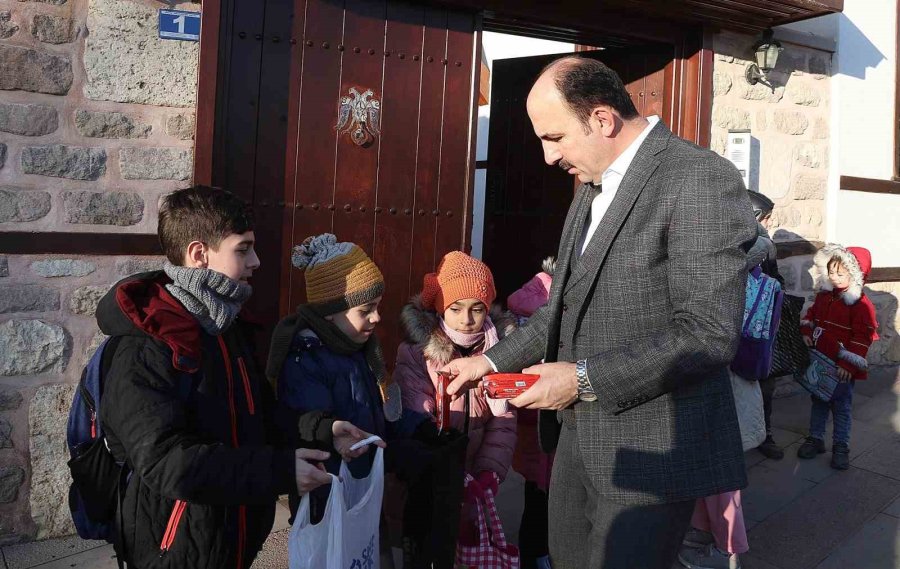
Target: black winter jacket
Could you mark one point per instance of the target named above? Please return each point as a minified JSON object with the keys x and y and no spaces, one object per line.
{"x":192,"y":417}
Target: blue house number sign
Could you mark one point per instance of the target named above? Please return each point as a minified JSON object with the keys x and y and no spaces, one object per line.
{"x":179,"y":25}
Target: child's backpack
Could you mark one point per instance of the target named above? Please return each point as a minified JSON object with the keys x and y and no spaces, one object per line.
{"x":96,"y":475}
{"x":762,"y":315}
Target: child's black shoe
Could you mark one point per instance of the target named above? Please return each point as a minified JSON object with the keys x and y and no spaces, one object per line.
{"x":840,"y":456}
{"x":811,"y":448}
{"x":770,"y":450}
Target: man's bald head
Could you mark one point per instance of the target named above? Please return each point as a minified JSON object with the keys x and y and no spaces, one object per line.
{"x":583,"y":84}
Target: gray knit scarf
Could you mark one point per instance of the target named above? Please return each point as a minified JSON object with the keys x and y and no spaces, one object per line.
{"x":211,"y":297}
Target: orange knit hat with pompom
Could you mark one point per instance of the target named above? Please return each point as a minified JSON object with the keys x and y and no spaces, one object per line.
{"x":458,"y":276}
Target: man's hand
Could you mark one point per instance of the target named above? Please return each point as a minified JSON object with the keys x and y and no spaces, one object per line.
{"x":466,"y":372}
{"x":556,"y":389}
{"x":310,"y":475}
{"x":345,"y":434}
{"x":808,"y":341}
{"x":843,"y":374}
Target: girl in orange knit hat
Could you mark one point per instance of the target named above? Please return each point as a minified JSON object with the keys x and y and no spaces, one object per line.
{"x":452,"y":318}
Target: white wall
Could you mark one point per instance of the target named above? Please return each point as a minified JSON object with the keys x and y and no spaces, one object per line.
{"x":500,"y":46}
{"x":863,"y":114}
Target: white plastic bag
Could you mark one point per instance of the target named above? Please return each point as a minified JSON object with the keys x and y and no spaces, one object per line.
{"x":347,"y":536}
{"x":749,"y":404}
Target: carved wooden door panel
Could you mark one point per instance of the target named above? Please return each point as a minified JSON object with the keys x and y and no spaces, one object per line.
{"x":397,"y":184}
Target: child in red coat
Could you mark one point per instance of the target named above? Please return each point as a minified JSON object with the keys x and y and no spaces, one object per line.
{"x":841,"y":325}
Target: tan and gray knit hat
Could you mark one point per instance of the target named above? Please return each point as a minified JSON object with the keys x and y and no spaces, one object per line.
{"x":338,"y":275}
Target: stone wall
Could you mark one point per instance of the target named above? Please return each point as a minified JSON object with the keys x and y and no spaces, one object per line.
{"x":791,"y":126}
{"x":96,"y":123}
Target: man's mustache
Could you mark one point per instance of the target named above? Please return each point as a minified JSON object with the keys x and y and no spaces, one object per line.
{"x":564,"y":165}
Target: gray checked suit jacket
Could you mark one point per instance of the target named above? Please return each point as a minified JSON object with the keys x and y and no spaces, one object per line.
{"x":655,"y":306}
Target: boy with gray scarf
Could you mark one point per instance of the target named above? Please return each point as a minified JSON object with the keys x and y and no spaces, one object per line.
{"x":185,"y":405}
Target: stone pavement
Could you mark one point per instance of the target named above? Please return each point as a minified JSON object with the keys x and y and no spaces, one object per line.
{"x":800,"y":514}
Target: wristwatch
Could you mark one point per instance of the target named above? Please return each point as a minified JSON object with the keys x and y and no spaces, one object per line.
{"x":585,"y":391}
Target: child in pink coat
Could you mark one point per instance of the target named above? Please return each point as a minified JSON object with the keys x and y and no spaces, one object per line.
{"x":452,"y":318}
{"x":529,"y":461}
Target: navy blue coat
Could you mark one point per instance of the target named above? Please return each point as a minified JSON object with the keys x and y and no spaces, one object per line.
{"x":315,"y":378}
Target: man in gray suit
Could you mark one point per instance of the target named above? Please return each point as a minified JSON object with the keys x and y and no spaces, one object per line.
{"x":644,"y":317}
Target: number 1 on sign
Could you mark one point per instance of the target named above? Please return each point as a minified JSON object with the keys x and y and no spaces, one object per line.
{"x":180,"y":21}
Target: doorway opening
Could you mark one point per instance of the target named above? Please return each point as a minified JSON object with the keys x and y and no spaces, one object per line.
{"x":520,"y":202}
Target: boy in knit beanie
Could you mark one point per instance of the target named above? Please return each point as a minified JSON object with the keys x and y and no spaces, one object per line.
{"x":185,"y":406}
{"x":326,"y":356}
{"x":451,"y":318}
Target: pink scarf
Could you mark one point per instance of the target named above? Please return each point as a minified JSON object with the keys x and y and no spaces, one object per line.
{"x":488,"y":333}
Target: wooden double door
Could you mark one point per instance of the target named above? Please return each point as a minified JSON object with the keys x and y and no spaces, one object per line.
{"x":405,"y":195}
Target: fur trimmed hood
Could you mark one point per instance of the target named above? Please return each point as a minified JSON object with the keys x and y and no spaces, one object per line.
{"x":858,"y":262}
{"x":422,"y":328}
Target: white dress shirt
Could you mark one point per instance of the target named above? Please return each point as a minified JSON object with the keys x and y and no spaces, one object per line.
{"x":611,"y":179}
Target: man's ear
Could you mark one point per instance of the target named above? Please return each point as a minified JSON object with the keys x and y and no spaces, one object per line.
{"x":605,"y":120}
{"x":197,"y":256}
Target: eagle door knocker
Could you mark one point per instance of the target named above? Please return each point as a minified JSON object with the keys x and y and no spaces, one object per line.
{"x":358,"y":110}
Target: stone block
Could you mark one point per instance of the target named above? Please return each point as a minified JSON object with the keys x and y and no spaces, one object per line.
{"x":5,"y":434}
{"x":721,"y":83}
{"x":107,"y":208}
{"x":770,"y":491}
{"x":54,"y":2}
{"x":875,"y":546}
{"x":28,"y":120}
{"x":62,"y":161}
{"x":761,"y":120}
{"x":36,"y":71}
{"x":11,"y":477}
{"x":92,"y":346}
{"x":50,"y":268}
{"x":181,"y":126}
{"x":32,"y":346}
{"x":155,"y":163}
{"x":822,"y":519}
{"x":23,"y":205}
{"x":146,"y":70}
{"x":7,"y":27}
{"x":731,"y":118}
{"x":4,"y":266}
{"x":100,"y":124}
{"x":760,"y":92}
{"x":804,"y":95}
{"x":10,"y":400}
{"x":820,"y":128}
{"x":719,"y":141}
{"x":790,"y":122}
{"x":810,"y":155}
{"x":49,"y":474}
{"x":85,"y":299}
{"x":28,"y":298}
{"x":775,"y":162}
{"x":2,"y":155}
{"x":131,"y":265}
{"x":53,"y":29}
{"x":809,"y":188}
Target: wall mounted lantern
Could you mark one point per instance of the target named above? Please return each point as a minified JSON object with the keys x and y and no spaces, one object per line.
{"x":766,"y":51}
